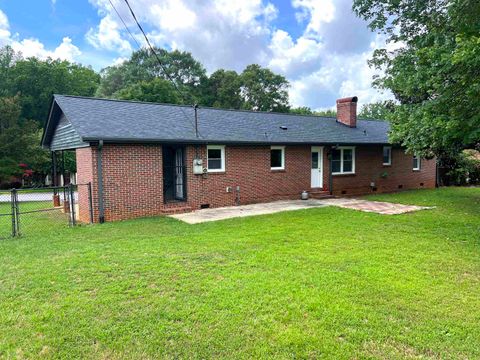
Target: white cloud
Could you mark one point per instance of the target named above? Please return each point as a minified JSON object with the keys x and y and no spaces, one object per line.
{"x":294,"y":58}
{"x":173,"y":15}
{"x":222,"y":33}
{"x":329,"y":60}
{"x":66,"y":50}
{"x":317,"y":11}
{"x":119,"y":61}
{"x":107,"y":36}
{"x":32,"y":47}
{"x":4,"y":29}
{"x":326,"y":61}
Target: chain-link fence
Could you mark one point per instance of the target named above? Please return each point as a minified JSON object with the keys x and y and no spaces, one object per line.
{"x":5,"y":214}
{"x":29,"y":211}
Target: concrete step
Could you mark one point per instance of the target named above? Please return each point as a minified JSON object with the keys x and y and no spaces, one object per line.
{"x":176,"y":210}
{"x":319,"y":194}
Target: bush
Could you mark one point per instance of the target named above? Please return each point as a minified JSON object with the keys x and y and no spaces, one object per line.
{"x":467,"y":169}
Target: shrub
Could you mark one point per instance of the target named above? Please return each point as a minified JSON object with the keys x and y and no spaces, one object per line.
{"x":467,"y":169}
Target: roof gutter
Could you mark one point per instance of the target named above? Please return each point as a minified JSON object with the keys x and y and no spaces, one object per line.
{"x":227,"y":142}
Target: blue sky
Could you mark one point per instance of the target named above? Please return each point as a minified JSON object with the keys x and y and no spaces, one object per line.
{"x":319,"y":45}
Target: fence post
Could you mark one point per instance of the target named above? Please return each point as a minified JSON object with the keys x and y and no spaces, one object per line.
{"x":72,"y":204}
{"x":12,"y":203}
{"x":90,"y":201}
{"x":15,"y":214}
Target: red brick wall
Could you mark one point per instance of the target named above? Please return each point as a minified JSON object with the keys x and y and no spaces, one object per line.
{"x":86,"y":173}
{"x":133,"y":184}
{"x":369,"y":168}
{"x":249,"y":168}
{"x":132,"y":181}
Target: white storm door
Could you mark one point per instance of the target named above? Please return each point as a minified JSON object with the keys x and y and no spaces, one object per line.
{"x":317,"y":167}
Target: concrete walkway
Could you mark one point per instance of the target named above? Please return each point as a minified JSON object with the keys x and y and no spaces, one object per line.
{"x":229,"y":212}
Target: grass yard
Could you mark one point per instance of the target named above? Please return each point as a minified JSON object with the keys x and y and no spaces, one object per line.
{"x":318,"y":283}
{"x":36,"y":216}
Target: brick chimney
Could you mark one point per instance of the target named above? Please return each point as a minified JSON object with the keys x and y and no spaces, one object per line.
{"x":347,"y":111}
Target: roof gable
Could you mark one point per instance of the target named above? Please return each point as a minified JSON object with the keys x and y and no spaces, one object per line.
{"x":65,"y":136}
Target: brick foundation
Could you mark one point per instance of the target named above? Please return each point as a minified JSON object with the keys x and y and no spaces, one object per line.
{"x":133,"y":183}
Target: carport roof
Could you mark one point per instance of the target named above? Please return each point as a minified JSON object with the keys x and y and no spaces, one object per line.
{"x":95,"y":119}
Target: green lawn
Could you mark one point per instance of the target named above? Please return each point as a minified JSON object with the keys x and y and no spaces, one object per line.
{"x":36,"y":216}
{"x":318,"y":283}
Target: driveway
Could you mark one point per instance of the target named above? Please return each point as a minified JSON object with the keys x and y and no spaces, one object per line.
{"x":222,"y":213}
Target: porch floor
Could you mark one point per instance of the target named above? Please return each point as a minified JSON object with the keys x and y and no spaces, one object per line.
{"x":200,"y":216}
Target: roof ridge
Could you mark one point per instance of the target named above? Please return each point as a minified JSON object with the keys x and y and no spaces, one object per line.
{"x":120,"y":100}
{"x":190,"y":106}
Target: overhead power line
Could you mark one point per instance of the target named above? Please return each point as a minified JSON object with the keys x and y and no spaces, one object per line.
{"x":152,"y":49}
{"x":125,"y":25}
{"x":164,"y":69}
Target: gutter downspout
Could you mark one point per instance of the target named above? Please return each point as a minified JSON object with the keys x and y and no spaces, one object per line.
{"x":101,"y":212}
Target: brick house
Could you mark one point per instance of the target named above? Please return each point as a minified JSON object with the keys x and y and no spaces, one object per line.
{"x":146,"y":159}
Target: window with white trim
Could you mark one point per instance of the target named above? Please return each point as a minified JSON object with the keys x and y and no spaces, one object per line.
{"x":277,"y":158}
{"x":416,"y":162}
{"x":343,"y":160}
{"x":387,"y":155}
{"x":216,"y":158}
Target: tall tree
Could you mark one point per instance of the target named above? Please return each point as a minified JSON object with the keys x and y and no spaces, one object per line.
{"x":263,"y":90}
{"x":326,"y":113}
{"x":10,"y":110}
{"x":25,"y":93}
{"x":8,"y":58}
{"x":304,"y":110}
{"x":381,"y":110}
{"x":155,"y":90}
{"x":178,"y":66}
{"x":223,"y":90}
{"x":434,"y":72}
{"x":301,"y":110}
{"x":19,"y":141}
{"x":36,"y":81}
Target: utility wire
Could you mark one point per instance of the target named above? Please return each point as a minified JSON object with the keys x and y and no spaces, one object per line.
{"x":197,"y":132}
{"x":125,"y":25}
{"x":154,"y":52}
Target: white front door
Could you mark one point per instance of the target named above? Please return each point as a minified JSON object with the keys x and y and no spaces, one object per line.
{"x":317,"y":167}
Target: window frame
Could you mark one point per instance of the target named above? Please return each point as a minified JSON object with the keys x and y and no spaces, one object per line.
{"x":342,"y":159}
{"x":389,"y":163}
{"x":418,"y":163}
{"x":282,"y":148}
{"x":222,"y":158}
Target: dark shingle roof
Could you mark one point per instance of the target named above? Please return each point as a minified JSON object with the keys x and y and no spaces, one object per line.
{"x":130,"y":121}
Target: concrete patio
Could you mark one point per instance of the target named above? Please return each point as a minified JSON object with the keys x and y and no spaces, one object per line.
{"x":205,"y":215}
{"x":379,"y":207}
